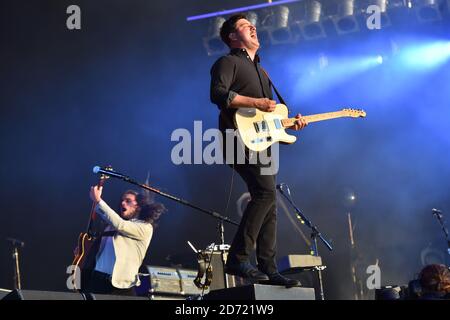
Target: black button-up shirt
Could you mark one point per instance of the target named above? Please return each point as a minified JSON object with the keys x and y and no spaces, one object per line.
{"x":234,"y":74}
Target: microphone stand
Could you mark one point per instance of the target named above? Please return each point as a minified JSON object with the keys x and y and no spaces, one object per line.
{"x":222,"y":219}
{"x":16,"y":245}
{"x":315,"y":233}
{"x":438,"y":215}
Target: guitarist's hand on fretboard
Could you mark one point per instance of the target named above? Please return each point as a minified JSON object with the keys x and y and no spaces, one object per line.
{"x":300,"y":123}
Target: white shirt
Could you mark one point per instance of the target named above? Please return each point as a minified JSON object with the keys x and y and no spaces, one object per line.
{"x":107,"y":257}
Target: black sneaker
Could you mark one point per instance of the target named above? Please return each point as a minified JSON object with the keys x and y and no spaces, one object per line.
{"x":246,"y":270}
{"x":276,"y":279}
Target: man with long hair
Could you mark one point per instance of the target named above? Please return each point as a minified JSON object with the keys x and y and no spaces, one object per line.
{"x":124,"y":242}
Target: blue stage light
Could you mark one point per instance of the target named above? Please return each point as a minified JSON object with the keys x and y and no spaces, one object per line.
{"x":426,"y":56}
{"x":239,"y":10}
{"x":380,"y":59}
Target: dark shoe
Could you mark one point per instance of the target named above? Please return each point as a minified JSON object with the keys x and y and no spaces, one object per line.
{"x":246,"y":270}
{"x":276,"y":279}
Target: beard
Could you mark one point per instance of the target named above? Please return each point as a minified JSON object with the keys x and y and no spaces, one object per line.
{"x":128,"y":215}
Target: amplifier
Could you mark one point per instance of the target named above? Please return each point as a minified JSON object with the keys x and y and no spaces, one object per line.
{"x":187,"y":278}
{"x":164,"y":280}
{"x":296,"y":262}
{"x":218,"y":279}
{"x":167,"y":281}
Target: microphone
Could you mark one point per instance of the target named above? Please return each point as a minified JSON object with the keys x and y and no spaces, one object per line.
{"x":110,"y":173}
{"x":437,"y":213}
{"x":283,"y":185}
{"x":16,"y":242}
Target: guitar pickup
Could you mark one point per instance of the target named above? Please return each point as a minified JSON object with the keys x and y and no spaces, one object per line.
{"x":277,"y":123}
{"x":264,"y":125}
{"x":260,"y":126}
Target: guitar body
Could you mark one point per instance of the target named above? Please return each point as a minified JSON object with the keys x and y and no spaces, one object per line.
{"x":85,"y":244}
{"x":84,"y":259}
{"x":259,"y":130}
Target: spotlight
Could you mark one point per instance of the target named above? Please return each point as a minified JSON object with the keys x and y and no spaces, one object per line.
{"x":428,"y":10}
{"x":349,"y":197}
{"x":212,"y":42}
{"x":280,"y":32}
{"x":380,"y":59}
{"x":346,"y":21}
{"x":311,"y":27}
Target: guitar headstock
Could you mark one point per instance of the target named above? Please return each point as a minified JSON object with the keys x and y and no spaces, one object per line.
{"x":104,"y":177}
{"x":354,"y":113}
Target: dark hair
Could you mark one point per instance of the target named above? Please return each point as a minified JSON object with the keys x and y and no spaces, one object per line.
{"x":229,"y":26}
{"x":151,"y":212}
{"x":435,"y":278}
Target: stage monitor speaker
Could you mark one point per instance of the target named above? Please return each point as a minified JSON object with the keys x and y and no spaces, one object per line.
{"x":94,"y":296}
{"x":50,"y":295}
{"x":262,"y":292}
{"x":42,"y":295}
{"x":4,"y":292}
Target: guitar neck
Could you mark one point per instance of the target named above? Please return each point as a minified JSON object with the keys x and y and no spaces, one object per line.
{"x":315,"y":117}
{"x":93,"y":215}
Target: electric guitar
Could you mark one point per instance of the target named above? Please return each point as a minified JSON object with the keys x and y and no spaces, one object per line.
{"x":259,"y":130}
{"x":87,"y":245}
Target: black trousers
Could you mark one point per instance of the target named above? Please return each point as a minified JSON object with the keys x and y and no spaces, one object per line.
{"x":259,"y":221}
{"x":100,"y":283}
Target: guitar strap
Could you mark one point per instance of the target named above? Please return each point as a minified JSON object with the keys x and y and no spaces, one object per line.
{"x":109,"y":233}
{"x":280,"y":98}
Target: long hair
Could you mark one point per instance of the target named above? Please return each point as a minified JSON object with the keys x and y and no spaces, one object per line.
{"x":435,"y":278}
{"x":151,"y":212}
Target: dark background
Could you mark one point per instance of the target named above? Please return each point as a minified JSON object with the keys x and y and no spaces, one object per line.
{"x":113,"y":92}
